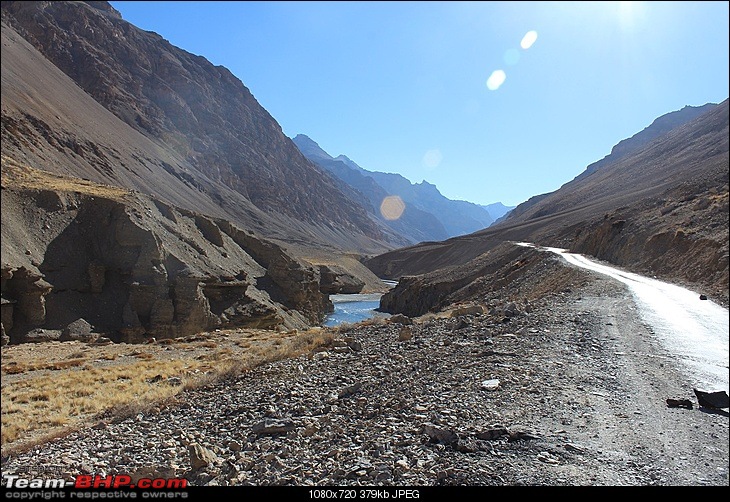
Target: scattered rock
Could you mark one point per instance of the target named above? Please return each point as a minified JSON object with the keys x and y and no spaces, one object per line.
{"x":467,"y":310}
{"x":400,"y":319}
{"x":491,"y":384}
{"x":200,"y":456}
{"x":354,"y":345}
{"x":679,"y":403}
{"x":495,"y":432}
{"x":272,"y":426}
{"x":440,"y":435}
{"x":520,"y":436}
{"x":703,"y":297}
{"x":405,"y":334}
{"x":461,"y":323}
{"x":546,"y":457}
{"x":713,"y":400}
{"x":349,"y":391}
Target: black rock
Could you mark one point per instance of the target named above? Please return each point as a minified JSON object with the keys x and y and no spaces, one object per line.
{"x":715,"y":400}
{"x":680,"y":403}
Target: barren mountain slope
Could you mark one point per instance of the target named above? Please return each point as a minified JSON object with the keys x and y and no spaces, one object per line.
{"x":662,"y":210}
{"x":179,"y":128}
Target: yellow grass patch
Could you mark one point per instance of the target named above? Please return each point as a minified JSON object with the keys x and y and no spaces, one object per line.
{"x":44,"y":398}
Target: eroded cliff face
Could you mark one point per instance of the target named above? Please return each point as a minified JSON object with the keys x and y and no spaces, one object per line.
{"x":134,"y":267}
{"x":682,"y":237}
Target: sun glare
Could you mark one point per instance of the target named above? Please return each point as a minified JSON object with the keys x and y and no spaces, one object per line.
{"x":529,"y":39}
{"x":496,"y":79}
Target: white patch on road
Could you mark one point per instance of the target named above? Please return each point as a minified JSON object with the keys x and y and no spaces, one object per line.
{"x":696,"y":332}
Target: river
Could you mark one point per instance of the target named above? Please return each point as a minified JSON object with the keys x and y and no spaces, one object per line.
{"x":356,"y":307}
{"x":696,"y":332}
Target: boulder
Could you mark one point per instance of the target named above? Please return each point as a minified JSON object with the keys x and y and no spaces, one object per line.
{"x":713,"y":400}
{"x":200,"y":456}
{"x":79,"y":330}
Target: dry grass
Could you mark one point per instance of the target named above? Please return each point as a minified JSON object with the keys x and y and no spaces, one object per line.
{"x":19,"y":175}
{"x":43,"y":398}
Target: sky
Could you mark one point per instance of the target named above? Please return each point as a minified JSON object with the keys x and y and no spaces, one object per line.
{"x":489,"y":101}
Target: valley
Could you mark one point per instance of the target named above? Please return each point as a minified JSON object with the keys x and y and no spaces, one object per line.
{"x":176,"y":274}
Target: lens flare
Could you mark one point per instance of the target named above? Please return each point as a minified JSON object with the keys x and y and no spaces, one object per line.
{"x":432,"y":159}
{"x":529,"y":39}
{"x":392,"y":207}
{"x":511,"y":57}
{"x":496,"y":79}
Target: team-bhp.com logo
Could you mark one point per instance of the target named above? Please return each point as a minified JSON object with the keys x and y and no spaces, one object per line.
{"x":94,"y":481}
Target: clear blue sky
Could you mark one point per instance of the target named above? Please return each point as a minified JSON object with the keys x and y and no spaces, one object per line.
{"x":402,"y":86}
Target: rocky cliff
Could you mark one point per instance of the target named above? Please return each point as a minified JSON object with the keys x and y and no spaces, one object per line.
{"x":133,"y":267}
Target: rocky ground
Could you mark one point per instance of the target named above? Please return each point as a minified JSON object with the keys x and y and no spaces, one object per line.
{"x":566,"y":390}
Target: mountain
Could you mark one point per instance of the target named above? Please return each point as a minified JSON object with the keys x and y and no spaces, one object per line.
{"x":659,"y":206}
{"x":498,"y":210}
{"x":428,"y":214}
{"x":148,"y":193}
{"x":203,"y":125}
{"x":414,"y":225}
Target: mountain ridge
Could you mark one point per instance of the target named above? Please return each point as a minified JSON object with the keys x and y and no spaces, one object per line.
{"x":661,"y":211}
{"x":201,"y":113}
{"x":455,"y":216}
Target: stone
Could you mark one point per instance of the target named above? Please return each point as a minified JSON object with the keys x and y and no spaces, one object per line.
{"x":272,"y":426}
{"x":400,"y":319}
{"x":405,"y":334}
{"x":440,"y":435}
{"x":79,"y":330}
{"x":467,"y":310}
{"x":679,"y":403}
{"x":461,"y":323}
{"x":495,"y":432}
{"x":349,"y":391}
{"x":355,"y":345}
{"x":39,"y":335}
{"x":712,"y":400}
{"x":200,"y":456}
{"x":491,"y":384}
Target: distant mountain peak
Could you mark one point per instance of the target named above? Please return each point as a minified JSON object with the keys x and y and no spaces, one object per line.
{"x":438,"y":216}
{"x":310,"y":148}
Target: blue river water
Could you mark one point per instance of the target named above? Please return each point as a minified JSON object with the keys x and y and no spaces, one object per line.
{"x":353,"y":308}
